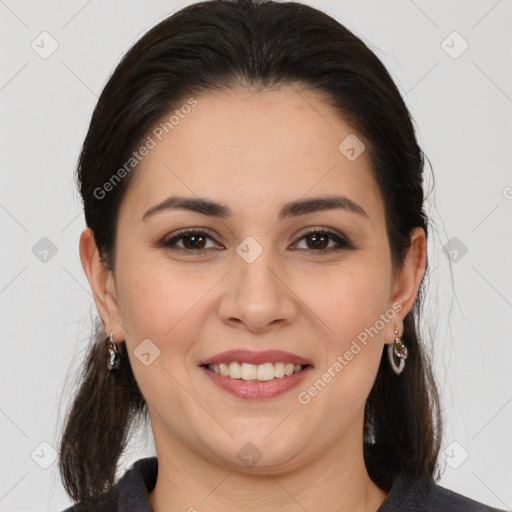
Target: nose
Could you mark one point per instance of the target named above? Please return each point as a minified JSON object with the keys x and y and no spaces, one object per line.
{"x":257,"y":295}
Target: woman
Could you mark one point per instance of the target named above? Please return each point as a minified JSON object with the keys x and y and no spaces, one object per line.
{"x":256,"y":247}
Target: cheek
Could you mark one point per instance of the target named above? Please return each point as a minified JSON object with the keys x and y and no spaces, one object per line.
{"x":164,"y":300}
{"x":348,"y":299}
{"x":156,"y":297}
{"x":350,"y":305}
{"x":167,"y":306}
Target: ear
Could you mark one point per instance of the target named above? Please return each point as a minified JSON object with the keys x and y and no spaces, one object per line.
{"x":101,"y":281}
{"x":407,"y":280}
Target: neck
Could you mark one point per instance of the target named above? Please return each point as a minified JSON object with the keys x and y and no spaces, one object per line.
{"x":336,"y":480}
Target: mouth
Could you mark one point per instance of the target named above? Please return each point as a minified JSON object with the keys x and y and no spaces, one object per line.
{"x":259,"y":372}
{"x":264,"y":381}
{"x":260,"y":366}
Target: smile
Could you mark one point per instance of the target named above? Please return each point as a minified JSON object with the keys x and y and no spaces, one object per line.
{"x":261,"y":372}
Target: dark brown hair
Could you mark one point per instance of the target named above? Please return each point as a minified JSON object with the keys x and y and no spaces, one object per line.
{"x":211,"y":46}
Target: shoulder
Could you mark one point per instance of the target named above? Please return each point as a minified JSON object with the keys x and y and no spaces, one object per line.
{"x":446,"y":499}
{"x":424,"y":495}
{"x":105,"y":502}
{"x":130,"y":493}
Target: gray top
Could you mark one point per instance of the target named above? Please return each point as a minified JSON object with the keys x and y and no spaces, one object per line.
{"x":130,"y":494}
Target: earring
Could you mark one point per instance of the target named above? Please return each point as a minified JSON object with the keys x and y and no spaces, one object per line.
{"x":114,"y":358}
{"x":399,"y":350}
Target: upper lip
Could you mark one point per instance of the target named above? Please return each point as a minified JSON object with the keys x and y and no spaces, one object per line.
{"x":256,"y":358}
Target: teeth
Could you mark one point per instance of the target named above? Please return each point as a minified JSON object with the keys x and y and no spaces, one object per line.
{"x":235,"y":370}
{"x":261,"y":372}
{"x":249,"y":371}
{"x":279,"y":370}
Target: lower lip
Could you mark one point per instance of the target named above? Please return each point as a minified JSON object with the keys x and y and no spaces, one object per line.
{"x":255,"y":389}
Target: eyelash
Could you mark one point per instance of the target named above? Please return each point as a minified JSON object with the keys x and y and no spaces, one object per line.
{"x":343,"y":244}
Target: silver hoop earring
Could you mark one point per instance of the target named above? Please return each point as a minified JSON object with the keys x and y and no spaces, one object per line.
{"x":114,"y":358}
{"x":397,"y":353}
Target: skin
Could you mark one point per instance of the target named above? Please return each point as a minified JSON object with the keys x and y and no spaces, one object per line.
{"x":255,"y":151}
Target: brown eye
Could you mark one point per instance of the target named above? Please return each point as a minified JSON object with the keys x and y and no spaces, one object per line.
{"x":318,"y":241}
{"x":191,"y":240}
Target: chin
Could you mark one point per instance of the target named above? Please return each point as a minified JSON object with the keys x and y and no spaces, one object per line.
{"x":258,"y":452}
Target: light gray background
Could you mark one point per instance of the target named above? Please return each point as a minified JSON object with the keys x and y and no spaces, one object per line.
{"x":462,"y":108}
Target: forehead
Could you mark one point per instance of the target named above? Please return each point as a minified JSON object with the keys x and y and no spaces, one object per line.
{"x":253,"y":150}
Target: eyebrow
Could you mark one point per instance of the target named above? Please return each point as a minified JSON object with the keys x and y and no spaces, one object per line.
{"x":211,"y":208}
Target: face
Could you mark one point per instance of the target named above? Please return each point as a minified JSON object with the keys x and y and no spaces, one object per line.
{"x":253,"y":279}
